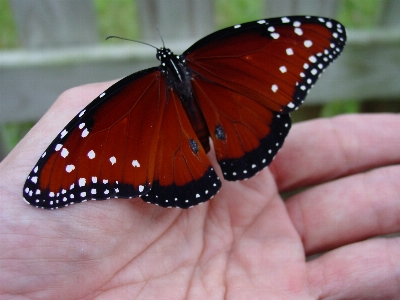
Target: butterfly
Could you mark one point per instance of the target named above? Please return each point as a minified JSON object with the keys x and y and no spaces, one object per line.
{"x":148,"y":134}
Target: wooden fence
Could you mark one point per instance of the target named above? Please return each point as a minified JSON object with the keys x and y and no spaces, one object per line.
{"x":60,"y":50}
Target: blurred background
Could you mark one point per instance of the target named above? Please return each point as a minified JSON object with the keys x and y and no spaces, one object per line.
{"x":48,"y":46}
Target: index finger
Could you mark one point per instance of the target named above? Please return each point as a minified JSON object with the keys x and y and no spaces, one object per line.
{"x":323,"y":149}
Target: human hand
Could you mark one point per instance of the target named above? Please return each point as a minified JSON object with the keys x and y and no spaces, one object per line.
{"x":245,"y":243}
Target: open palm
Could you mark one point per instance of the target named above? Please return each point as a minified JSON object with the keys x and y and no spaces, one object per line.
{"x":245,"y":243}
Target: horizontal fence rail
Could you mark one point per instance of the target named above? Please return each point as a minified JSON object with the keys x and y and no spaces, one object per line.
{"x":31,"y":78}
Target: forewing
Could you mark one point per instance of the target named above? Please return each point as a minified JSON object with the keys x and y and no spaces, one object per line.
{"x":107,"y":151}
{"x":247,"y":79}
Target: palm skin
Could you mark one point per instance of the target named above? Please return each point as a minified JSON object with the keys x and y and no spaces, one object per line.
{"x":245,"y":243}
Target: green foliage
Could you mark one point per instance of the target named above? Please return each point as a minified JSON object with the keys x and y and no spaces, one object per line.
{"x":11,"y":133}
{"x":8,"y":31}
{"x":229,"y":12}
{"x":117,"y":17}
{"x":354,"y":14}
{"x":340,"y":107}
{"x":361,"y":13}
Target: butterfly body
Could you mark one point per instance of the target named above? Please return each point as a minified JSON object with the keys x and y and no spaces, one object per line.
{"x":178,"y":78}
{"x":147,"y":135}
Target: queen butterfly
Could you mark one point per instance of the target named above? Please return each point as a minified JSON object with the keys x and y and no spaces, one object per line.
{"x":147,"y":135}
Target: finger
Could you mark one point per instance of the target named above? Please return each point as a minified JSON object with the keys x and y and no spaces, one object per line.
{"x":366,"y":270}
{"x":323,"y":149}
{"x":347,"y":210}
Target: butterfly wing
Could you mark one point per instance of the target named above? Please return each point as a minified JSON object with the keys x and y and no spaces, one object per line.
{"x":133,"y":140}
{"x":248,"y":77}
{"x":183,"y":174}
{"x":107,"y":150}
{"x":136,"y":139}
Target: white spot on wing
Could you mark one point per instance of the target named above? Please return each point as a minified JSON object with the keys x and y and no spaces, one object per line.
{"x":81,"y":113}
{"x":69,"y":168}
{"x":275,"y":35}
{"x":113,"y":160}
{"x":237,"y":26}
{"x":298,"y":31}
{"x":82,"y":181}
{"x":141,"y":188}
{"x":63,"y":133}
{"x":285,"y":20}
{"x":34,"y":179}
{"x":94,"y":179}
{"x":308,"y":43}
{"x":58,"y":147}
{"x":102,"y":95}
{"x":64,"y":152}
{"x":289,"y":51}
{"x":91,"y":154}
{"x":85,"y":132}
{"x":81,"y":125}
{"x":135,"y":163}
{"x":274,"y":88}
{"x":283,"y":69}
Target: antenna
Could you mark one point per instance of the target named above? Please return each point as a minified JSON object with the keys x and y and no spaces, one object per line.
{"x":159,"y":33}
{"x":121,"y":38}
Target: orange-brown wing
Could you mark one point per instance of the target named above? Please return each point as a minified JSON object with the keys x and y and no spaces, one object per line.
{"x":246,"y":135}
{"x":107,"y":151}
{"x":247,"y":78}
{"x":183,"y":175}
